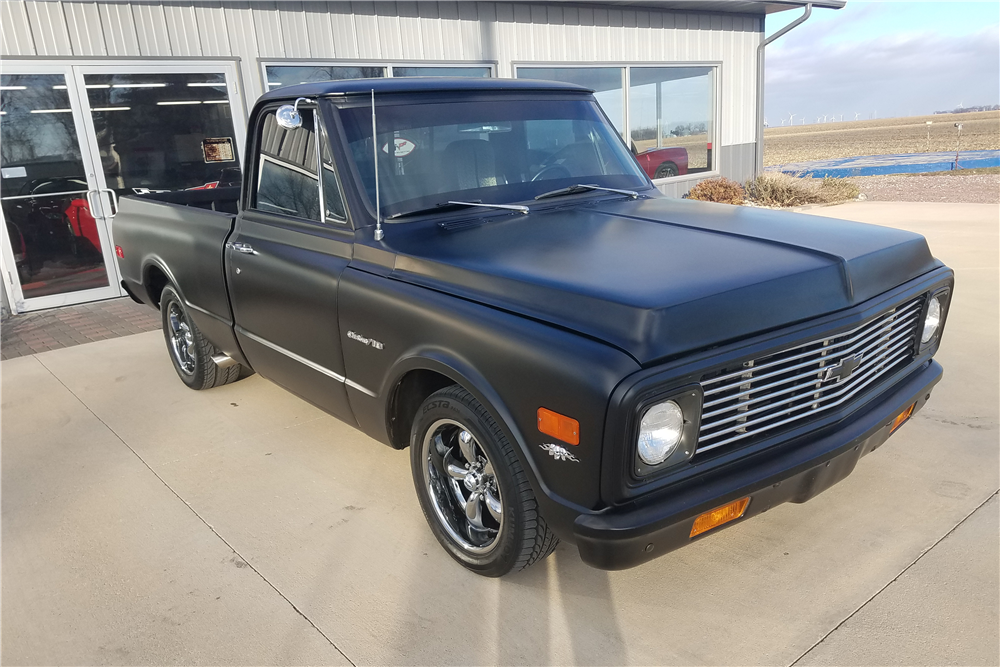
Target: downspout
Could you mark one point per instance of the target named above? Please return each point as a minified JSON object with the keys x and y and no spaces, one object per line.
{"x":760,"y":80}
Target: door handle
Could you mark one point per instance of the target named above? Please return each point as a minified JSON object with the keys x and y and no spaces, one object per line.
{"x":94,"y":210}
{"x":99,"y":210}
{"x":244,"y":248}
{"x":114,"y":200}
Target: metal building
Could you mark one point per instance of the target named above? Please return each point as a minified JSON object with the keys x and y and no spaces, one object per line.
{"x":104,"y":98}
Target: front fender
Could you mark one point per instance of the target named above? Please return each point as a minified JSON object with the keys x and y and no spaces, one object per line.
{"x":511,"y":364}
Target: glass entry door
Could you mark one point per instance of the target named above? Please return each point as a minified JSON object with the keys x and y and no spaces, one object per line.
{"x":56,"y":246}
{"x":75,"y":138}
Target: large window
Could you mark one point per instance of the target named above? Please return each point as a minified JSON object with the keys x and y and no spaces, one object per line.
{"x":672,"y":107}
{"x":606,"y":82}
{"x":667,"y":113}
{"x":279,"y":75}
{"x":474,"y":72}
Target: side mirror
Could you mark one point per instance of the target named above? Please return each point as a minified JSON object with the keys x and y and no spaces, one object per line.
{"x":288,"y":117}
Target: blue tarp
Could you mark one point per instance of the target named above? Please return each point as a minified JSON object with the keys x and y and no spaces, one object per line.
{"x":874,"y":165}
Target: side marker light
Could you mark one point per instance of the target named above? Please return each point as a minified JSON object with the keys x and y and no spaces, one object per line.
{"x":901,"y":418}
{"x":720,"y":515}
{"x":559,"y":426}
{"x":119,"y":252}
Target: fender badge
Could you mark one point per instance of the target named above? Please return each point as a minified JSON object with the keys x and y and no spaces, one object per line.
{"x":559,"y":453}
{"x":370,"y":342}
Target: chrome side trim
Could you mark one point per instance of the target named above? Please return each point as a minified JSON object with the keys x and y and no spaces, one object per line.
{"x":288,"y":353}
{"x":355,"y":385}
{"x":305,"y":362}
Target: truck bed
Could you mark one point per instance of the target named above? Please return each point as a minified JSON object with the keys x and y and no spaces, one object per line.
{"x":179,"y":238}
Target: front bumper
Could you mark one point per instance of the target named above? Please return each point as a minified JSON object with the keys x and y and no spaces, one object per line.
{"x":645,"y":529}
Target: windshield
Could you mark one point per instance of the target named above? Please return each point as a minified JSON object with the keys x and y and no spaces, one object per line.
{"x":495,"y":151}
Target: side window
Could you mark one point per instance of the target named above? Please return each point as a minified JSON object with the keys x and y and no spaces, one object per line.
{"x":332,"y":196}
{"x":287,"y":182}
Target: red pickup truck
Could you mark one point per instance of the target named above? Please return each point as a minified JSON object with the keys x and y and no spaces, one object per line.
{"x":662,"y":162}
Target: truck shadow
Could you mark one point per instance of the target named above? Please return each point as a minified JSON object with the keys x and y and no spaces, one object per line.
{"x":557,"y":602}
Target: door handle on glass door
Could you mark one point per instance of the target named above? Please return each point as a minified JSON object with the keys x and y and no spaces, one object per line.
{"x":114,"y":200}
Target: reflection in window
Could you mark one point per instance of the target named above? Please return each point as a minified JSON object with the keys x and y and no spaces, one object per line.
{"x":54,"y":237}
{"x":289,"y":75}
{"x":606,"y":82}
{"x":164,"y":131}
{"x":672,"y":107}
{"x":473,"y":72}
{"x":287,"y":182}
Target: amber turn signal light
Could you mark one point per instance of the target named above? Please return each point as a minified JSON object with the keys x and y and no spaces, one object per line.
{"x":902,"y":417}
{"x":559,"y":426}
{"x":720,"y":515}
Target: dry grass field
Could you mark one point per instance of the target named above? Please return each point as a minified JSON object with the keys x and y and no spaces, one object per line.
{"x":801,"y":143}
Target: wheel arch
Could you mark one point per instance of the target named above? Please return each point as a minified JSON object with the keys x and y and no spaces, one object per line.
{"x":155,"y":277}
{"x":437,"y":368}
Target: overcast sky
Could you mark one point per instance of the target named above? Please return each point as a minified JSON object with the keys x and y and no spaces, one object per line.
{"x":889,"y":58}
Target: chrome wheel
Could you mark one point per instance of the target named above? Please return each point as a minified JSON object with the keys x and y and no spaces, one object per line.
{"x":182,"y":343}
{"x":462,"y":486}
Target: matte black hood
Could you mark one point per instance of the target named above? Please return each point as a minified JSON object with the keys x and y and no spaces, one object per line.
{"x":659,"y":277}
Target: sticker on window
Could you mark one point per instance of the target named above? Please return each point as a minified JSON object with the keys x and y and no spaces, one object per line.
{"x":218,"y":150}
{"x":403,"y":147}
{"x":14,"y":172}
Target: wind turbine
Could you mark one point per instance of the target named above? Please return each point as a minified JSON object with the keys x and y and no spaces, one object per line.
{"x":856,"y":114}
{"x":791,"y":119}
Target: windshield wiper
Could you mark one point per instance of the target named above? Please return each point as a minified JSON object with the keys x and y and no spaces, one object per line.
{"x":450,"y":205}
{"x":580,"y":187}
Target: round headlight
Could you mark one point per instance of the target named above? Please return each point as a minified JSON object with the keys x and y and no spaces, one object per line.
{"x":660,"y":431}
{"x":932,"y":321}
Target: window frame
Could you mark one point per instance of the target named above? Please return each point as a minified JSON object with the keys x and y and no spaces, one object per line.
{"x":716,"y":104}
{"x":319,"y":133}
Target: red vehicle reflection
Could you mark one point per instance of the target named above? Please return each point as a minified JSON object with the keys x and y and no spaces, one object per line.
{"x":663,"y":162}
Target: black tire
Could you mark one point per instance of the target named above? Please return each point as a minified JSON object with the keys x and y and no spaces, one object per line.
{"x":666,"y":170}
{"x":189,"y":351}
{"x":520,"y":537}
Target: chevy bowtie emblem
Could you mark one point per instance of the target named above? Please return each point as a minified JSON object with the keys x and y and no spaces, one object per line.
{"x":844,"y":369}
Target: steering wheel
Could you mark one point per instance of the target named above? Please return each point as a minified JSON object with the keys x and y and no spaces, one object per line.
{"x":551,"y":171}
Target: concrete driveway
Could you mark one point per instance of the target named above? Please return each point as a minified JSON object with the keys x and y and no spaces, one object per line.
{"x":144,"y":523}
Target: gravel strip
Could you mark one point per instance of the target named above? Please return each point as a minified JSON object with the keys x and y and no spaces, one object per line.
{"x":971,"y":189}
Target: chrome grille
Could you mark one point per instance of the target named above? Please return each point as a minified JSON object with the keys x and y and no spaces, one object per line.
{"x":794,"y":385}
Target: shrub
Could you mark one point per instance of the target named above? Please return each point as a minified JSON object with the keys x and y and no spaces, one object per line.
{"x":719,"y":190}
{"x":778,"y":189}
{"x":836,"y":190}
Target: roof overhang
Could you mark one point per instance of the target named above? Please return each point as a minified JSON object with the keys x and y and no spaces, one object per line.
{"x":716,"y":6}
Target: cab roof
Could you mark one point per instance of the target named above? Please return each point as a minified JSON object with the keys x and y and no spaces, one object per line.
{"x":418,"y":84}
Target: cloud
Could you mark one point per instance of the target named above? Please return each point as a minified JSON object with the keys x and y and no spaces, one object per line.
{"x":910,"y":73}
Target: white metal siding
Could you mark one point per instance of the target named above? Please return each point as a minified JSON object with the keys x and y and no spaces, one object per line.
{"x":508,"y":33}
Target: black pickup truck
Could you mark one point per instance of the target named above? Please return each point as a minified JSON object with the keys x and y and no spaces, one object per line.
{"x":494,"y":282}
